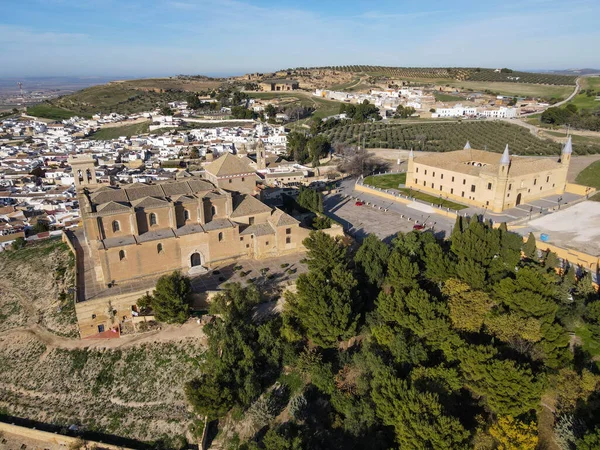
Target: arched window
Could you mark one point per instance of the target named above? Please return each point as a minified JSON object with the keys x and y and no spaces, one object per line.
{"x":152,"y":219}
{"x":186,"y":214}
{"x":220,"y":236}
{"x":213,"y":210}
{"x":116,"y":226}
{"x":121,"y":255}
{"x":159,"y":248}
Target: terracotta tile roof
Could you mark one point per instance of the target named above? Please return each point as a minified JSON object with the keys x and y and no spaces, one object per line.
{"x":189,"y":229}
{"x":246,"y":205}
{"x":228,"y":164}
{"x":119,"y":241}
{"x":258,"y":229}
{"x":139,"y":190}
{"x":279,"y":218}
{"x":218,"y":224}
{"x":175,"y":188}
{"x":460,"y":161}
{"x":155,"y":235}
{"x":113,"y":207}
{"x":150,"y":202}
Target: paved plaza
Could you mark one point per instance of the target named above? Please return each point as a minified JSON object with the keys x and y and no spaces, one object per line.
{"x":576,"y":227}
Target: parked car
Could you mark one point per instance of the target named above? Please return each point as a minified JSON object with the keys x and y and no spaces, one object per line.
{"x":418,"y":226}
{"x":359,"y":204}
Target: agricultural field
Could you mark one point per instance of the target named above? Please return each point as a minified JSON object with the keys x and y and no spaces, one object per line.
{"x":443,"y":97}
{"x":516,"y":89}
{"x":448,"y":136}
{"x":49,"y":111}
{"x":523,"y":77}
{"x":125,"y":130}
{"x":459,"y":73}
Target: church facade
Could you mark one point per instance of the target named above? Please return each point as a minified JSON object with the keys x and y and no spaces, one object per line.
{"x":488,"y":180}
{"x":187,"y":224}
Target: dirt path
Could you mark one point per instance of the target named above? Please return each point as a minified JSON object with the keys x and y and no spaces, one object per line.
{"x":168,"y":333}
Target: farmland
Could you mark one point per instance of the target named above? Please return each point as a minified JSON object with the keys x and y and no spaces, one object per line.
{"x":48,"y":111}
{"x":125,"y":130}
{"x":448,"y":136}
{"x":460,"y":73}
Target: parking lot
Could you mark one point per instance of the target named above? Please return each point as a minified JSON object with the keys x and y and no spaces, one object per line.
{"x":359,"y":221}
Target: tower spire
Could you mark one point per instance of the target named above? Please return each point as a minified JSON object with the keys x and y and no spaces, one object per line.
{"x":467,"y":146}
{"x":565,"y":155}
{"x":505,"y":160}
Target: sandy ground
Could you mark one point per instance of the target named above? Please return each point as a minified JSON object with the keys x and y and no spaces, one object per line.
{"x":575,"y":227}
{"x":124,"y":123}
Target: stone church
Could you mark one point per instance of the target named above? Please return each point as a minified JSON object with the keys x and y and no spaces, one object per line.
{"x":189,"y":224}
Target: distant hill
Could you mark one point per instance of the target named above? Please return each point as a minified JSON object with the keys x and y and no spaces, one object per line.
{"x":126,"y":97}
{"x":576,"y":72}
{"x":450,"y":73}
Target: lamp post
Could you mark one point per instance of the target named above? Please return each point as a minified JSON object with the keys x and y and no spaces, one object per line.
{"x":530,"y":211}
{"x":559,"y":200}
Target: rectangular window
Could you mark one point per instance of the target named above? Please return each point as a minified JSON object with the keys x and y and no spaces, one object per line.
{"x":464,"y":181}
{"x":434,"y":174}
{"x":417,"y":170}
{"x":463,"y":194}
{"x":432,"y":185}
{"x":534,"y":181}
{"x":267,"y":243}
{"x":453,"y":179}
{"x":241,"y":238}
{"x":440,"y":187}
{"x":509,"y":187}
{"x":247,"y":245}
{"x":472,"y":188}
{"x":288,"y":231}
{"x":416,"y":181}
{"x":442,"y":176}
{"x":424,"y":183}
{"x":251,"y":220}
{"x":425,"y":171}
{"x":487,"y":203}
{"x":489,"y":186}
{"x":547,"y":179}
{"x":243,"y":179}
{"x":230,"y":180}
{"x":452,"y":190}
{"x":288,"y":240}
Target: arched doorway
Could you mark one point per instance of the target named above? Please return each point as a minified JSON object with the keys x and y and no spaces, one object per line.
{"x":195,"y":260}
{"x":518,"y":200}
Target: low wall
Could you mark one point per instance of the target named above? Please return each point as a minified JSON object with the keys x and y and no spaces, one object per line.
{"x":47,"y":438}
{"x":579,"y":189}
{"x":12,"y":237}
{"x":442,"y":212}
{"x":588,"y":262}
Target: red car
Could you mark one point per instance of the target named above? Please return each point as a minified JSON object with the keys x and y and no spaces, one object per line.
{"x":358,"y":204}
{"x":418,"y":226}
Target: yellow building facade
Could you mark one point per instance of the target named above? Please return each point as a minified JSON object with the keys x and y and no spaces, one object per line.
{"x":488,"y":180}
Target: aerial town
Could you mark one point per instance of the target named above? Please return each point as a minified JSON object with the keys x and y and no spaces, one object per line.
{"x":213,"y":238}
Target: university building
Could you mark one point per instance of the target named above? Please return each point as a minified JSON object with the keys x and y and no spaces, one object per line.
{"x":484,"y":179}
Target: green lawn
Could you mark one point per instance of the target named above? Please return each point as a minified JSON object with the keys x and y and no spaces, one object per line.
{"x":433,"y":199}
{"x":50,"y":112}
{"x":590,"y":176}
{"x":442,"y":97}
{"x":591,"y":83}
{"x":117,"y":132}
{"x":390,"y":181}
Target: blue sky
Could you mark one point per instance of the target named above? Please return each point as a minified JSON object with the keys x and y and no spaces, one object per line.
{"x":226,"y":37}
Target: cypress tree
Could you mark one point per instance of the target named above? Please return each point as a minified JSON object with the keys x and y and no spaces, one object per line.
{"x":530,"y":248}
